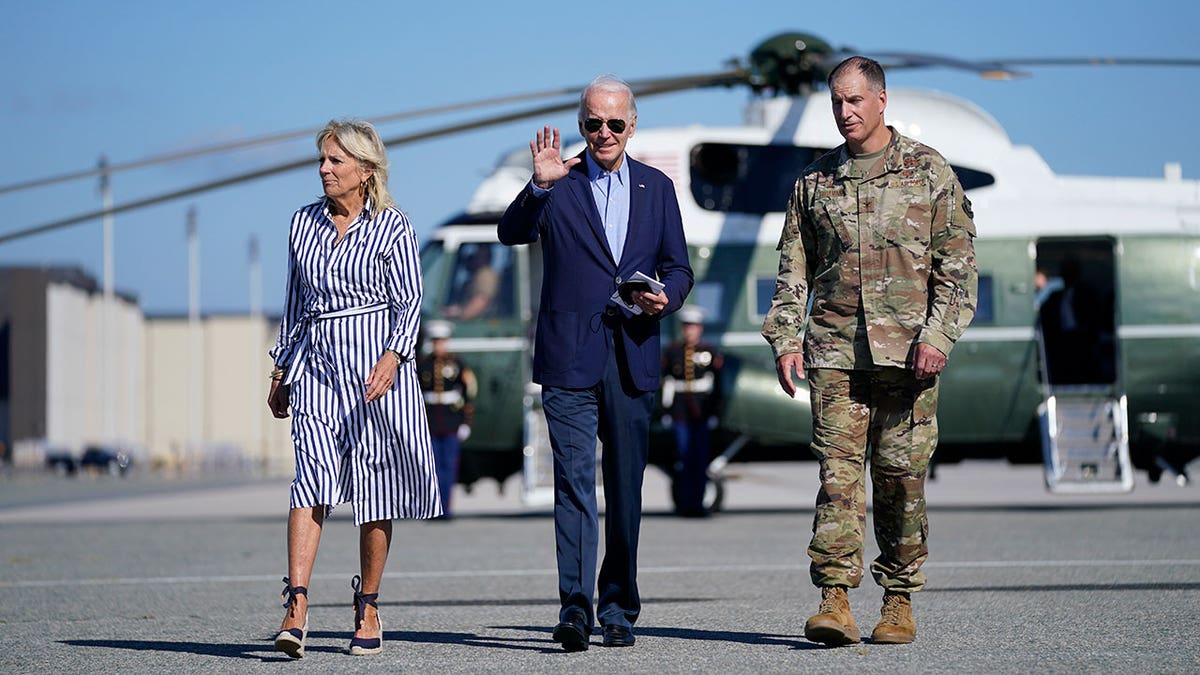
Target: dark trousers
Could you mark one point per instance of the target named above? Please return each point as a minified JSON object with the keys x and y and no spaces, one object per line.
{"x":446,"y":452}
{"x":619,"y":415}
{"x":692,"y":443}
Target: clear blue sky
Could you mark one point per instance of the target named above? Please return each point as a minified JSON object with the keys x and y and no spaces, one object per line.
{"x":134,"y":78}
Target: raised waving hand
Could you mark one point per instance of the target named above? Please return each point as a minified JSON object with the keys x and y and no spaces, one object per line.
{"x":548,"y":165}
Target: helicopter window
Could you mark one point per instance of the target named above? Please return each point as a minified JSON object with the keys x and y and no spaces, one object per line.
{"x":764,"y":291}
{"x":707,"y":295}
{"x":433,"y":272}
{"x":746,"y":178}
{"x":759,"y":179}
{"x":480,"y":284}
{"x":971,"y":179}
{"x":985,"y":308}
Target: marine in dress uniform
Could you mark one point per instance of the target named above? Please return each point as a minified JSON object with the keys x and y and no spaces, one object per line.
{"x":692,"y":400}
{"x":449,"y":388}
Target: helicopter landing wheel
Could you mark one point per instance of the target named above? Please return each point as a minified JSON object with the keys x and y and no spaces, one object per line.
{"x":714,"y":494}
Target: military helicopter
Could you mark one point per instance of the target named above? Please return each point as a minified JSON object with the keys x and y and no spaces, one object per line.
{"x":1137,"y":242}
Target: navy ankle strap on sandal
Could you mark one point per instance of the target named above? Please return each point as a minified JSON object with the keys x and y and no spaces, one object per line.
{"x":291,"y":641}
{"x":360,"y":646}
{"x":288,"y":596}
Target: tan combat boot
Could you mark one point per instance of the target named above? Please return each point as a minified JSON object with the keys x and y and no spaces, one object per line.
{"x":896,"y":625}
{"x":832,"y":624}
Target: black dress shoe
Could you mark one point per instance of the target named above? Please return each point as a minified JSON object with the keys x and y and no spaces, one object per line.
{"x":572,"y":634}
{"x":618,"y":636}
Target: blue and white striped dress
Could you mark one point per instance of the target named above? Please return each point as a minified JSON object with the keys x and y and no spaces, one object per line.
{"x":346,"y":305}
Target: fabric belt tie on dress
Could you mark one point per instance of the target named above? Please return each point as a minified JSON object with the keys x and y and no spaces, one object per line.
{"x":306,"y":324}
{"x":351,"y":311}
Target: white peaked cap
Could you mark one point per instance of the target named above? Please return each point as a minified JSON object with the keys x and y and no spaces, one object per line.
{"x":438,"y":329}
{"x":691,"y":314}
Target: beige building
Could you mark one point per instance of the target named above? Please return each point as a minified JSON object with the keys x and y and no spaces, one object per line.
{"x":208,"y":386}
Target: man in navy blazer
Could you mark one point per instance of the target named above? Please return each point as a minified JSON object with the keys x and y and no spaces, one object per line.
{"x":600,"y":217}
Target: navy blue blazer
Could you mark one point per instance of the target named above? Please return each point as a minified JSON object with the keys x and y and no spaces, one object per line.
{"x":579,"y":275}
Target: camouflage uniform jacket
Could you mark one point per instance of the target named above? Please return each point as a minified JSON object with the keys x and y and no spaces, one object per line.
{"x":888,"y":257}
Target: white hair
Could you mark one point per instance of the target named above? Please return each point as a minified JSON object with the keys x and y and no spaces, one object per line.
{"x":607,"y":83}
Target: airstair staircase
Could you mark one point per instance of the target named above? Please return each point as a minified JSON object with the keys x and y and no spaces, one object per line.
{"x":1085,"y":434}
{"x":1085,"y":439}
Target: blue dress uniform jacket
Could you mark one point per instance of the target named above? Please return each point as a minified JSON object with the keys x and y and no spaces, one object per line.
{"x":696,"y":388}
{"x":580,"y":274}
{"x":449,"y":390}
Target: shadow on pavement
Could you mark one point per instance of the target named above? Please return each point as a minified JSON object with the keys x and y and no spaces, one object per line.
{"x":544,"y":646}
{"x":257,"y":652}
{"x":266,"y":652}
{"x":789,"y":641}
{"x":498,"y":602}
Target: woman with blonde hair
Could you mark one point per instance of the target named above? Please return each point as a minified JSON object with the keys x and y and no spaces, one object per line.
{"x":344,"y":363}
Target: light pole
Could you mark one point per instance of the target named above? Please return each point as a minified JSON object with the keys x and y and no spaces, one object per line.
{"x":108,"y":345}
{"x":195,"y":395}
{"x":257,"y":331}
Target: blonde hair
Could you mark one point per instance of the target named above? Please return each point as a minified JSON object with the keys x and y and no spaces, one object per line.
{"x":360,"y":140}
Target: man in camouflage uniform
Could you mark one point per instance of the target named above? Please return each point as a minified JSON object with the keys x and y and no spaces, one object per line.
{"x":879,"y":236}
{"x":448,"y":387}
{"x":692,"y":402}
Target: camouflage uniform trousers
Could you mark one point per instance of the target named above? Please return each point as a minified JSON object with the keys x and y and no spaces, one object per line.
{"x":889,"y":417}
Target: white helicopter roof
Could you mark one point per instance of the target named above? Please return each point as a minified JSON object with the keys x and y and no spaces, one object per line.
{"x":956,"y":127}
{"x":1026,"y":199}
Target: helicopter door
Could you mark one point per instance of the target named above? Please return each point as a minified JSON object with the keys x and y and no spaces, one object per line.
{"x":1083,"y":415}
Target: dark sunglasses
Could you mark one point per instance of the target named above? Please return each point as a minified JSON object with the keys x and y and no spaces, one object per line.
{"x":592,"y":125}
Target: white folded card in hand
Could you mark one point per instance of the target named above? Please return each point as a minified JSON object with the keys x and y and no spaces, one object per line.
{"x":623,"y":297}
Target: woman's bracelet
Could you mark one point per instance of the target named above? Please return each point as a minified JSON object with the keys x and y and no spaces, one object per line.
{"x":278,"y":373}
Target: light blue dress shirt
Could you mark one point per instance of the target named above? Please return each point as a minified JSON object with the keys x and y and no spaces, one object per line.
{"x":610,"y":192}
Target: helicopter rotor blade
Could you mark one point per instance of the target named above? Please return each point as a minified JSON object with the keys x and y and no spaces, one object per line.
{"x":271,"y":171}
{"x":648,"y":87}
{"x":724,"y":78}
{"x":644,"y":87}
{"x":992,"y":70}
{"x":243,"y":143}
{"x":1100,"y":61}
{"x":1002,"y":69}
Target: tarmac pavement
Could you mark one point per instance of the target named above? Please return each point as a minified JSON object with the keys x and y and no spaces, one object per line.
{"x":182,"y":576}
{"x":751,"y":486}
